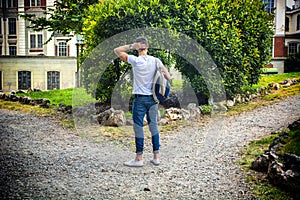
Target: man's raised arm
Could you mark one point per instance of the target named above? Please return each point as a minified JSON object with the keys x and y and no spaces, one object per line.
{"x":121,"y":52}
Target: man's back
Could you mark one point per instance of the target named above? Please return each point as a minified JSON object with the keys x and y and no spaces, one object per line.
{"x":143,"y":72}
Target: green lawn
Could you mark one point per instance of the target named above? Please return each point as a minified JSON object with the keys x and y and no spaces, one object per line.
{"x":277,"y":78}
{"x":57,"y":97}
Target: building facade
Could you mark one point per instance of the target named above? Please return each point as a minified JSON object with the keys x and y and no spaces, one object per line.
{"x":25,"y":60}
{"x":286,"y":31}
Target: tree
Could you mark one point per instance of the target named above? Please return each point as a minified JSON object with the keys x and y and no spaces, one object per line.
{"x":236,"y":33}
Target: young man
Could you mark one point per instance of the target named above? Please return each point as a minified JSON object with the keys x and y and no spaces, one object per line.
{"x":143,"y":67}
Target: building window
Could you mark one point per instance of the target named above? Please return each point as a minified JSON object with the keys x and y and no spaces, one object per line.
{"x":12,"y":50}
{"x":35,"y":3}
{"x":287,"y":24}
{"x":293,"y":47}
{"x":269,"y":6}
{"x":1,"y":81}
{"x":12,"y":26}
{"x":36,"y":41}
{"x":62,"y":49}
{"x":53,"y":80}
{"x":298,"y":22}
{"x":24,"y":80}
{"x":12,"y":3}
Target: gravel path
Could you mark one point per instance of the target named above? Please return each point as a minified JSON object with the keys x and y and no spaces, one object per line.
{"x":40,"y":159}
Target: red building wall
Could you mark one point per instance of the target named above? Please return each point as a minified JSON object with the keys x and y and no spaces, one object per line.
{"x":279,"y":48}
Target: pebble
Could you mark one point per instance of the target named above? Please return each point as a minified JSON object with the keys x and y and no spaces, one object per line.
{"x":39,"y":159}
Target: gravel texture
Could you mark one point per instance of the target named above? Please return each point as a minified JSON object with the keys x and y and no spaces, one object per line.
{"x":39,"y":159}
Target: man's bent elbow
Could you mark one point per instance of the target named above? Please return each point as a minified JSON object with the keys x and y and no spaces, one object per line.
{"x":117,"y":52}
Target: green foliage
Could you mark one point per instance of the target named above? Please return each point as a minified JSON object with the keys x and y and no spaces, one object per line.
{"x":206,"y":109}
{"x":292,"y":63}
{"x":237,"y":34}
{"x":176,"y":85}
{"x":292,"y":143}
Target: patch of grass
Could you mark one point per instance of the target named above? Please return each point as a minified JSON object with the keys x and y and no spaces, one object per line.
{"x":16,"y":106}
{"x":273,"y":97}
{"x":57,"y":97}
{"x":68,"y":123}
{"x":277,"y":78}
{"x":170,"y":127}
{"x":128,"y":114}
{"x":254,"y":149}
{"x":176,"y":85}
{"x":262,"y":189}
{"x":161,"y":111}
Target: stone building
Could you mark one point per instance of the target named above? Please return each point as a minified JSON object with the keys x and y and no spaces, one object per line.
{"x":286,"y":31}
{"x":25,"y":61}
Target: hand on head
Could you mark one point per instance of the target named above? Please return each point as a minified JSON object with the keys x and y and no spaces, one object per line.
{"x":139,"y":46}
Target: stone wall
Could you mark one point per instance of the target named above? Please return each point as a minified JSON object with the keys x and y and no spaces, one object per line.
{"x":38,"y":66}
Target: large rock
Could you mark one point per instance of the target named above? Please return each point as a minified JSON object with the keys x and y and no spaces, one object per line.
{"x":194,"y":111}
{"x":261,"y":163}
{"x":276,"y":172}
{"x":173,"y":114}
{"x":64,"y":108}
{"x":112,"y":117}
{"x":45,"y":103}
{"x":117,"y":118}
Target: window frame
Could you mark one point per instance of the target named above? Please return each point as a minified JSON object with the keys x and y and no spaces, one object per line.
{"x":62,"y":50}
{"x":12,"y":26}
{"x":11,"y":3}
{"x":1,"y":25}
{"x":36,"y":40}
{"x":12,"y":50}
{"x":287,"y":24}
{"x":35,"y":3}
{"x":269,"y":7}
{"x":298,"y":22}
{"x":53,"y":80}
{"x":24,"y":77}
{"x":293,"y":47}
{"x":1,"y":84}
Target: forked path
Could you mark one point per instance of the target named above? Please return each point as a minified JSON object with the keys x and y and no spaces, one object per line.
{"x":40,"y":159}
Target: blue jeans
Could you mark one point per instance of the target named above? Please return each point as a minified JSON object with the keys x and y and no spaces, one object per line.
{"x":142,"y":106}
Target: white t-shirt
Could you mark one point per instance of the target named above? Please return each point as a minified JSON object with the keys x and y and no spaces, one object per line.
{"x":143,"y":68}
